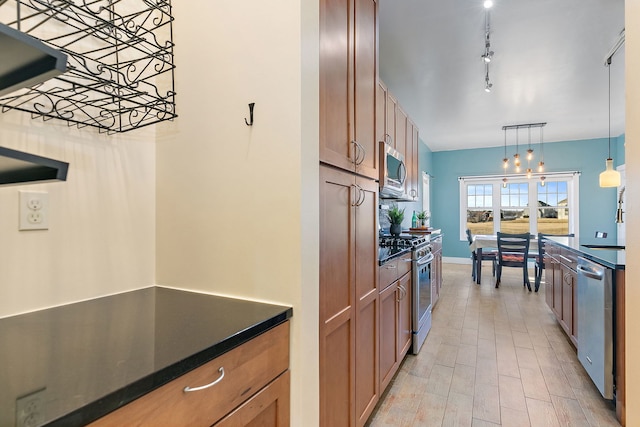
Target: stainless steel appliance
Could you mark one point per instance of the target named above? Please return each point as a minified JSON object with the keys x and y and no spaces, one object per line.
{"x":421,"y":285}
{"x":393,"y":172}
{"x":421,"y":258}
{"x":595,"y":324}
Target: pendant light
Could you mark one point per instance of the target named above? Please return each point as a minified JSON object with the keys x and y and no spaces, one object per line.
{"x":516,"y":157}
{"x":541,"y":162}
{"x":610,"y":177}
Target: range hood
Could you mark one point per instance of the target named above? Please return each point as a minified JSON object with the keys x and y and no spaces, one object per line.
{"x":26,"y":61}
{"x":17,"y":167}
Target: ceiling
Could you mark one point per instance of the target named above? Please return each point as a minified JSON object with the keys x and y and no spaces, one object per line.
{"x":548,"y":66}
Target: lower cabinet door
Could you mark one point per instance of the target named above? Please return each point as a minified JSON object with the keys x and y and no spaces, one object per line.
{"x":388,"y":334}
{"x":404,"y":316}
{"x":268,"y":408}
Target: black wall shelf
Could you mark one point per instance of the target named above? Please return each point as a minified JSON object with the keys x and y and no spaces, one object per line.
{"x":120,"y":61}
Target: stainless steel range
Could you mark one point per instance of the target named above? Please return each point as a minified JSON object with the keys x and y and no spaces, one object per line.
{"x":421,"y":258}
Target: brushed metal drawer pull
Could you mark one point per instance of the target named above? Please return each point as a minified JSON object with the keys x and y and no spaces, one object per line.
{"x":202,"y":387}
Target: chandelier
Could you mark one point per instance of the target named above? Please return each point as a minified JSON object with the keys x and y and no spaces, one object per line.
{"x":517,"y":162}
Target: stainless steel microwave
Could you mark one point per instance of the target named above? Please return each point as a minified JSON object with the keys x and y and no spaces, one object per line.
{"x":393,"y":172}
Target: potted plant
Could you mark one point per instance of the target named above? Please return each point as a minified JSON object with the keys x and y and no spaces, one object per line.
{"x":395,"y":216}
{"x":423,"y":216}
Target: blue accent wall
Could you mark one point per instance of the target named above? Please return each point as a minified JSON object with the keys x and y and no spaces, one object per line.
{"x":597,"y":205}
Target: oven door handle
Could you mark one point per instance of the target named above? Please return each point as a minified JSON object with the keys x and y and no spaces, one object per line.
{"x":425,"y":260}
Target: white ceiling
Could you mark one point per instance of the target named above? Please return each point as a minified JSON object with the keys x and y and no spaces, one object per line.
{"x":548,"y":66}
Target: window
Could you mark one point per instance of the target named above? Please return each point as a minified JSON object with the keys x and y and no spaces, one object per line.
{"x":524,"y":205}
{"x":480,"y":208}
{"x":553,"y":208}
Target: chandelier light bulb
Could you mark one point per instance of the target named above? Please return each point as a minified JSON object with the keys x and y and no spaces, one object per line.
{"x":504,"y":182}
{"x":542,"y":178}
{"x":517,"y":160}
{"x":529,"y":172}
{"x":505,"y":163}
{"x":541,"y":166}
{"x":530,"y":154}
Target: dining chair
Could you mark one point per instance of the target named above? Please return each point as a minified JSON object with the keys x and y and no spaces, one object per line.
{"x":540,"y":258}
{"x":486,"y":256}
{"x":513,"y":251}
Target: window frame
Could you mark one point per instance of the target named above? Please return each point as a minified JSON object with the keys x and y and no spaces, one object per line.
{"x":573,"y":200}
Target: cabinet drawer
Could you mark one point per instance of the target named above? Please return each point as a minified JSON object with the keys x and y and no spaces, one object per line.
{"x":247,"y":369}
{"x":388,"y":273}
{"x":404,"y":264}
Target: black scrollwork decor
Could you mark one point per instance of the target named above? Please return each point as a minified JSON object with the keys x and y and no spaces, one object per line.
{"x":120,"y":62}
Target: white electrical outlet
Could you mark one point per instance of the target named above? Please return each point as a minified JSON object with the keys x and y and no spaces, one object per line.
{"x":34,"y":210}
{"x":30,"y":409}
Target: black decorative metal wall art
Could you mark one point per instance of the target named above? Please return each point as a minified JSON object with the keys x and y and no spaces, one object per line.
{"x":120,"y":61}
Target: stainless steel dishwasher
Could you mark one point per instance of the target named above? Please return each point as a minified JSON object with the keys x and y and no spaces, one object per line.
{"x":595,"y":324}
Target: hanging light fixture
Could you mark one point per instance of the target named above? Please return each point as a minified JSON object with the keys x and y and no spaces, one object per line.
{"x":541,"y":162}
{"x":505,"y":160}
{"x":516,"y":157}
{"x":488,"y":53}
{"x":487,"y":84}
{"x":610,"y":177}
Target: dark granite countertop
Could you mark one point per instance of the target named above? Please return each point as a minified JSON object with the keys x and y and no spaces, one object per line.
{"x":80,"y":361}
{"x":611,"y":258}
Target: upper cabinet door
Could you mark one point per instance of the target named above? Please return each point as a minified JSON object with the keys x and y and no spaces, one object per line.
{"x":365,"y":85}
{"x":348,"y":79}
{"x":336,"y":84}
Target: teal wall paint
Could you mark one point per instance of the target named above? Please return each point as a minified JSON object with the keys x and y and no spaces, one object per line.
{"x":597,"y":205}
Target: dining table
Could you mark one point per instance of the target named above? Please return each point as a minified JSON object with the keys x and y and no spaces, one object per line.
{"x":490,"y":241}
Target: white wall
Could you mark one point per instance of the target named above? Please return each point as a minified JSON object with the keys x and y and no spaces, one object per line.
{"x":237,"y":206}
{"x":101,"y":235}
{"x":632,"y":208}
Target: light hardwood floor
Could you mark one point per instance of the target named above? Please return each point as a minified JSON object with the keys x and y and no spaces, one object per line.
{"x":493,"y":357}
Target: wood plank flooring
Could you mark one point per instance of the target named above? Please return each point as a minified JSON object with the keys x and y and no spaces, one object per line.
{"x":493,"y":357}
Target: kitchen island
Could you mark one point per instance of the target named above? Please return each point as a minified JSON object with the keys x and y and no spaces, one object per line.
{"x":566,"y":294}
{"x":73,"y":364}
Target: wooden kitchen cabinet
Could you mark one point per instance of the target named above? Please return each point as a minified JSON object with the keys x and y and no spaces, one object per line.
{"x":436,"y":270}
{"x":253,"y":387}
{"x":404,"y":316}
{"x":561,"y":287}
{"x":395,"y":318}
{"x":390,"y":120}
{"x":411,"y":159}
{"x":269,"y":407}
{"x":401,"y":132}
{"x":349,"y":298}
{"x":389,"y":317}
{"x":348,"y":84}
{"x":569,"y":309}
{"x":397,"y":129}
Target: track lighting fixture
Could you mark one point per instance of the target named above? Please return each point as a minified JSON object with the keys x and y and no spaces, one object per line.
{"x":487,"y":84}
{"x":487,"y":56}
